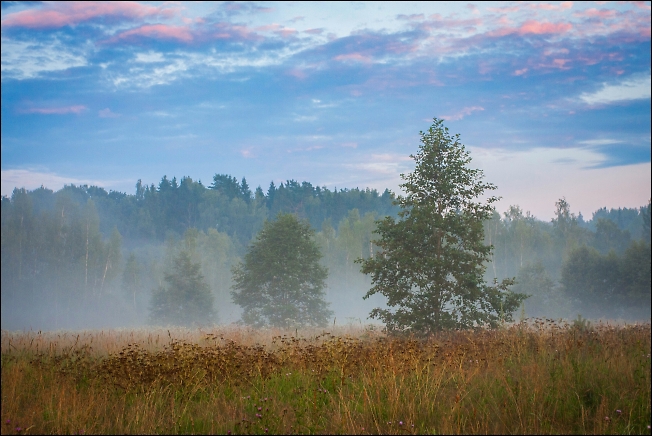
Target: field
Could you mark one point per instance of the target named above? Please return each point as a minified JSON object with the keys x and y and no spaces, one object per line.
{"x":535,"y":377}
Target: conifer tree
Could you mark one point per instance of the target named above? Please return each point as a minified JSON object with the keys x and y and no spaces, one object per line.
{"x":187,"y":299}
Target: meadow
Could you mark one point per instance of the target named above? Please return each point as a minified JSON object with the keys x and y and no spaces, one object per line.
{"x":537,"y":376}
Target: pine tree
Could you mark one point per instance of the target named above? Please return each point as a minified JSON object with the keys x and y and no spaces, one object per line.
{"x":187,"y":300}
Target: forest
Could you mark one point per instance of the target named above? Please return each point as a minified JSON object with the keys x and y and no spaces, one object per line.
{"x":82,"y":257}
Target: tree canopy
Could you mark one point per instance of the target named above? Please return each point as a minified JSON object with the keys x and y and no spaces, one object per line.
{"x":281,"y":282}
{"x":431,"y":263}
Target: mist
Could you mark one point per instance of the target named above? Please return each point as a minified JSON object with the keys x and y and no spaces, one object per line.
{"x":85,"y":258}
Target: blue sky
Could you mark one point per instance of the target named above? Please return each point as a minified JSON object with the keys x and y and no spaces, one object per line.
{"x":551,"y":99}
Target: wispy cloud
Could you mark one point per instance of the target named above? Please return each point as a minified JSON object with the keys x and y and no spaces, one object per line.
{"x":34,"y":178}
{"x":60,"y":14}
{"x":107,"y":113}
{"x":462,"y":113}
{"x":155,"y":31}
{"x":61,"y":110}
{"x":598,"y":142}
{"x":632,"y":89}
{"x":27,"y":60}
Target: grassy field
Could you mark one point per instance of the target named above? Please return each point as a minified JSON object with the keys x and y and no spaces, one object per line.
{"x":535,"y":377}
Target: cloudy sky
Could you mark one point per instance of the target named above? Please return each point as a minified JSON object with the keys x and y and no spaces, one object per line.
{"x":551,"y":99}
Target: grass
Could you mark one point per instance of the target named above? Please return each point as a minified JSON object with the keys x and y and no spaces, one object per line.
{"x":534,"y":377}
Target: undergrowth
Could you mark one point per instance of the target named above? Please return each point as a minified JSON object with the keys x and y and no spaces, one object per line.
{"x":534,"y":377}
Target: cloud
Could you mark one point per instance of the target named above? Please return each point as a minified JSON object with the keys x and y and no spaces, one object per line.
{"x":541,"y":28}
{"x":149,"y":57}
{"x":77,"y":109}
{"x":27,"y":60}
{"x":546,"y":174}
{"x":549,"y":7}
{"x":60,"y":14}
{"x":107,"y":113}
{"x":461,"y":114}
{"x":598,"y":142}
{"x":356,"y":57}
{"x":386,"y":164}
{"x":247,"y":153}
{"x":632,"y":89}
{"x":34,"y":178}
{"x":154,"y":31}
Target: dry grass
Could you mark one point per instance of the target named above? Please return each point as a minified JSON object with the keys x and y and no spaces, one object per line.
{"x":540,"y":377}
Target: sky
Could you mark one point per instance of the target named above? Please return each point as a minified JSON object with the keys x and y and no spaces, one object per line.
{"x":551,"y":99}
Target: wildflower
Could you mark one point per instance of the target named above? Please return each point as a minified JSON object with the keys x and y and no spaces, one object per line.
{"x":18,"y":429}
{"x":266,"y":430}
{"x":400,"y":423}
{"x":260,"y":408}
{"x":606,"y":418}
{"x":228,"y":432}
{"x":8,"y":421}
{"x":619,"y":411}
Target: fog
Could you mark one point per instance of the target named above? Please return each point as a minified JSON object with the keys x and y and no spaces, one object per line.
{"x":82,"y":258}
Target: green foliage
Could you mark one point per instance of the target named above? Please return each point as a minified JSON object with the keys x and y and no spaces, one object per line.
{"x":609,"y":285}
{"x":186,"y":300}
{"x":281,"y":282}
{"x":582,"y":324}
{"x":543,"y":296}
{"x":431,"y":262}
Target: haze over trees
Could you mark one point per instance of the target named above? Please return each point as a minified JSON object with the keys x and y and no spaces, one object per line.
{"x":186,"y":299}
{"x":83,"y":257}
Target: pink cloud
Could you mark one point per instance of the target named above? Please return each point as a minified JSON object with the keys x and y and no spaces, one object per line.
{"x":474,"y":9}
{"x":314,"y":31}
{"x":461,"y":114}
{"x":641,"y":5}
{"x":156,"y":31}
{"x":540,"y":28}
{"x":561,"y":63}
{"x":278,"y":29}
{"x":357,"y":57}
{"x":77,"y":109}
{"x":298,"y":73}
{"x":596,"y":13}
{"x":61,"y":14}
{"x":549,"y":7}
{"x":229,"y":31}
{"x":520,"y":72}
{"x":505,"y":9}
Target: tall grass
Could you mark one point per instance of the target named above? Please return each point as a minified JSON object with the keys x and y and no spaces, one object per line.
{"x":535,"y":377}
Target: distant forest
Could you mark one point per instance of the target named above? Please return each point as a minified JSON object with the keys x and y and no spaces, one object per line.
{"x":83,"y":257}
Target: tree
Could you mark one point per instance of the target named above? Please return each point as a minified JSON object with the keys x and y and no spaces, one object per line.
{"x":187,"y":300}
{"x":544,"y":298}
{"x":431,"y":263}
{"x":281,"y":283}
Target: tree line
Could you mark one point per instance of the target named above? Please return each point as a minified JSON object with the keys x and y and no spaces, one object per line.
{"x":81,"y":254}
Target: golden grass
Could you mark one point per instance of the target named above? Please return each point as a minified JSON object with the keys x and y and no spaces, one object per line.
{"x":537,"y":377}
